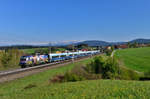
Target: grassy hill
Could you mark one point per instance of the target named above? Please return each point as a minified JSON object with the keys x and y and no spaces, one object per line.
{"x":16,"y":89}
{"x":135,"y":58}
{"x":38,"y":86}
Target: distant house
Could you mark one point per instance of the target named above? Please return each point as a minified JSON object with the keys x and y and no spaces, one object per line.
{"x":84,"y":49}
{"x":124,"y":46}
{"x":108,"y":47}
{"x":142,"y":45}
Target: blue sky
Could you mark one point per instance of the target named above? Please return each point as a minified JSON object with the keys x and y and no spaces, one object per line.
{"x":62,"y":20}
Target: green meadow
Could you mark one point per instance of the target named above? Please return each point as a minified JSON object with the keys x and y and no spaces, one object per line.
{"x":38,"y":86}
{"x":135,"y":58}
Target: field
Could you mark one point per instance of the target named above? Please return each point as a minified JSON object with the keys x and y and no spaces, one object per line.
{"x":29,"y":51}
{"x":135,"y":58}
{"x":38,"y":87}
{"x":34,"y":50}
{"x":15,"y":88}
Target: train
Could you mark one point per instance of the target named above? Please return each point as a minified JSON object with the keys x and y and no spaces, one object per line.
{"x":33,"y":60}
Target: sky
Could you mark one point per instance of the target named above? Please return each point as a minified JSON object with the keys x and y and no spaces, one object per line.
{"x":65,"y":20}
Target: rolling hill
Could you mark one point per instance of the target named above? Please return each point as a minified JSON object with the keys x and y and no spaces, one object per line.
{"x":74,"y":42}
{"x":135,"y":58}
{"x":104,"y":43}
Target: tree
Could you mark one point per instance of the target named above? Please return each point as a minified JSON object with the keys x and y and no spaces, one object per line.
{"x":82,"y":46}
{"x":10,"y":58}
{"x":42,"y":50}
{"x":71,"y":47}
{"x":108,"y":68}
{"x":112,"y":48}
{"x":5,"y":59}
{"x":96,"y":65}
{"x":129,"y":45}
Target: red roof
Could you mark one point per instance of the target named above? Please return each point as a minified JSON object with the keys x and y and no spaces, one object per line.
{"x":122,"y":46}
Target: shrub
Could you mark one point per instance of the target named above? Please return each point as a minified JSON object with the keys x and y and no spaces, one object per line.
{"x":10,"y":58}
{"x":96,"y":65}
{"x":72,"y":77}
{"x":147,"y":74}
{"x":93,"y":76}
{"x":98,"y":68}
{"x":108,"y":52}
{"x":108,"y":68}
{"x":82,"y":72}
{"x":127,"y":74}
{"x":78,"y":73}
{"x":57,"y":78}
{"x":5,"y":59}
{"x":79,"y":70}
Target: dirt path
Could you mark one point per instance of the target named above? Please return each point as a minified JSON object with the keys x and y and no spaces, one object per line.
{"x":112,"y":54}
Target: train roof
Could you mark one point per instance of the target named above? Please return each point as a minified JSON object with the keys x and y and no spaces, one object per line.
{"x":71,"y":53}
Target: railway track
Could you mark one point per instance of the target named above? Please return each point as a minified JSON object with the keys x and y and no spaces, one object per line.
{"x":22,"y":72}
{"x":3,"y":73}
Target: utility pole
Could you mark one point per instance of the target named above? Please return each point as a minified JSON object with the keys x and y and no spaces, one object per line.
{"x":91,"y":53}
{"x":73,"y":53}
{"x":50,"y":57}
{"x":49,"y":47}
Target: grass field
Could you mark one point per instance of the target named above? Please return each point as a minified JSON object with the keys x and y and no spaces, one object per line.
{"x":33,"y":50}
{"x":29,"y":51}
{"x":135,"y":58}
{"x":38,"y":87}
{"x":15,"y":89}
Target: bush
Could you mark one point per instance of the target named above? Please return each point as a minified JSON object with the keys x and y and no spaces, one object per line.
{"x":10,"y":58}
{"x":72,"y":77}
{"x":5,"y":59}
{"x":147,"y":74}
{"x":57,"y":78}
{"x":96,"y":65}
{"x":127,"y":74}
{"x":108,"y":52}
{"x":108,"y":68}
{"x":98,"y":68}
{"x":82,"y":72}
{"x":78,"y":73}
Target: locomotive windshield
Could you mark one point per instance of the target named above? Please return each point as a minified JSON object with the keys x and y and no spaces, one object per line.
{"x":23,"y":58}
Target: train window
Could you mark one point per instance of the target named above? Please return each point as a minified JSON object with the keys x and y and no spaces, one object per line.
{"x":23,"y":58}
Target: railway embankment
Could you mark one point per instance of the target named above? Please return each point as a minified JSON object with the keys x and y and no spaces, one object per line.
{"x":20,"y":73}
